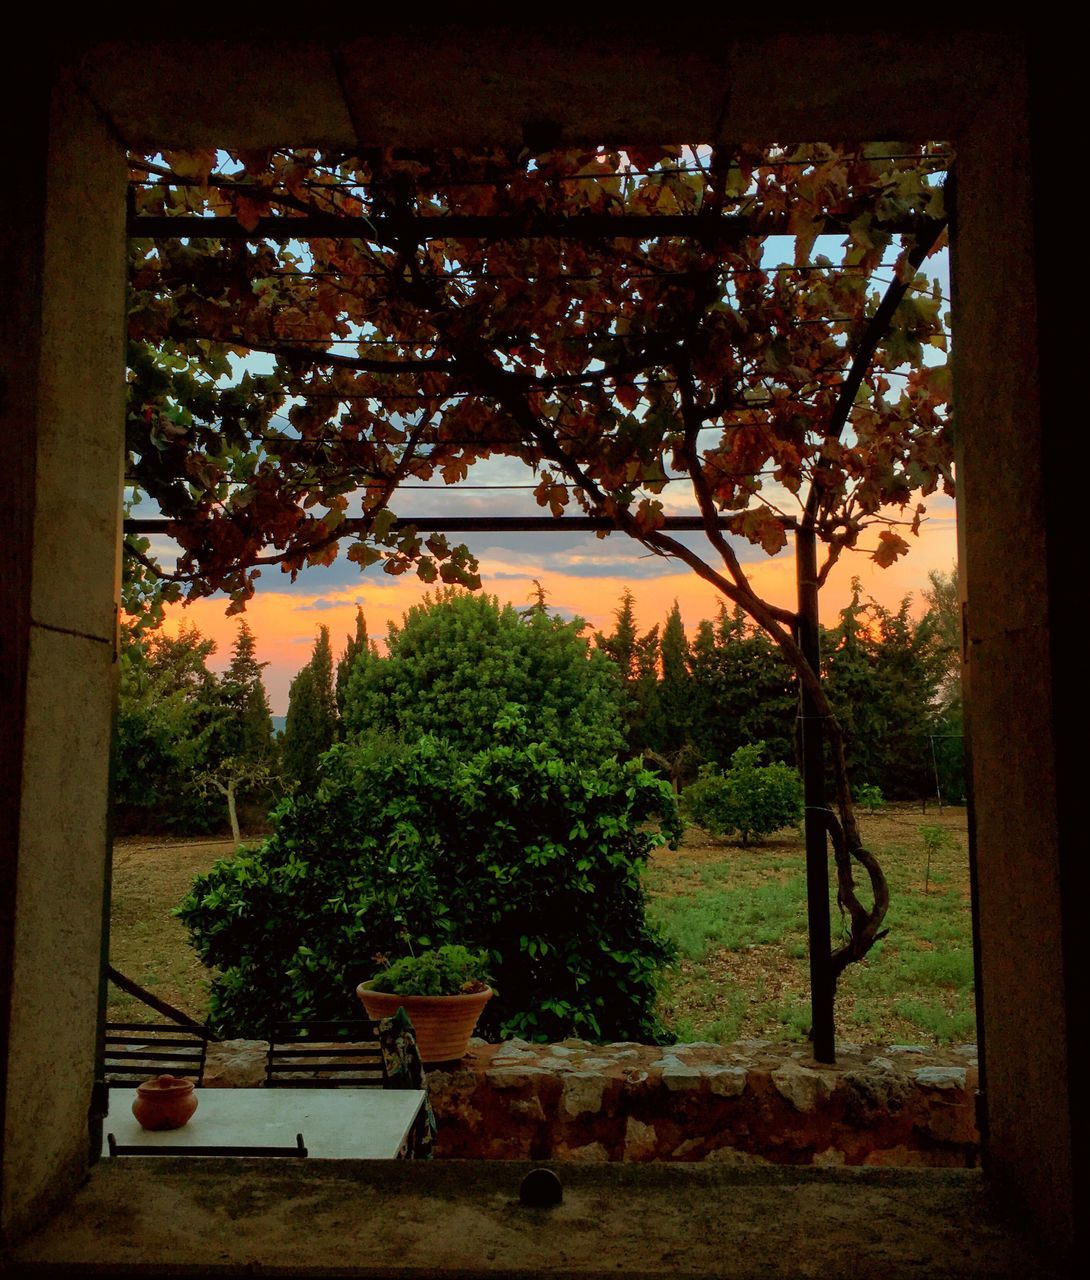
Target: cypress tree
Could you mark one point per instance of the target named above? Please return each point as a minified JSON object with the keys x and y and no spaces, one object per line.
{"x":312,"y":716}
{"x":355,"y":647}
{"x":675,"y":702}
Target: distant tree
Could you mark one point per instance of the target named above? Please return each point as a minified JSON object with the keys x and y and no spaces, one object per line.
{"x":167,"y":717}
{"x":247,"y":721}
{"x":742,"y":690}
{"x":356,"y":646}
{"x":668,"y":744}
{"x":311,"y":725}
{"x":539,"y":598}
{"x":636,"y":660}
{"x":458,"y":662}
{"x":941,"y":632}
{"x":242,"y":755}
{"x":884,"y":675}
{"x":674,"y":687}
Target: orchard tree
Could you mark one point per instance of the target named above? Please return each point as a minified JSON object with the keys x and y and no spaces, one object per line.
{"x":619,"y":320}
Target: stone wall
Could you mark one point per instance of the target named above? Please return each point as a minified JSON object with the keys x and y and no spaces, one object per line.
{"x":753,"y":1102}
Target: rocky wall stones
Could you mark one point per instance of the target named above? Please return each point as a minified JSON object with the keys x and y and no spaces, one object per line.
{"x":744,"y":1103}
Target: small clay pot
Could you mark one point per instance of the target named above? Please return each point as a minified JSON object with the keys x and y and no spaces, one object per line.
{"x":164,"y":1102}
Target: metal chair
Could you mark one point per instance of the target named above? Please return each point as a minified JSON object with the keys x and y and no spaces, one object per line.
{"x":133,"y":1051}
{"x":358,"y":1053}
{"x":323,"y":1055}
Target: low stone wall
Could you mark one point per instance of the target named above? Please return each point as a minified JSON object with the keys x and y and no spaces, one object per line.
{"x":749,"y":1102}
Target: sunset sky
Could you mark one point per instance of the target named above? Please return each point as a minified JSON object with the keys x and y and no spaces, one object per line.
{"x":582,"y":575}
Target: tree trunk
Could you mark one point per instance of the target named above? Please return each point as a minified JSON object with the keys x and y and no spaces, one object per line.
{"x":229,"y":792}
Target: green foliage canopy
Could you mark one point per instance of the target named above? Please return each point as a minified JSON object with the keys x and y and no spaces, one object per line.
{"x":513,"y":849}
{"x":178,"y":726}
{"x":750,"y":799}
{"x":460,"y":661}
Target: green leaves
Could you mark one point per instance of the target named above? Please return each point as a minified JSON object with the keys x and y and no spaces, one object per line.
{"x":461,"y":665}
{"x":749,"y":800}
{"x":512,"y":849}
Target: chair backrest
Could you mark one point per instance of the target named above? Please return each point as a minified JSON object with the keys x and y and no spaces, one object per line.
{"x":323,"y":1055}
{"x":134,"y":1051}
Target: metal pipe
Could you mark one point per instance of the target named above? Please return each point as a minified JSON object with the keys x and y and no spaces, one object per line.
{"x":813,"y":783}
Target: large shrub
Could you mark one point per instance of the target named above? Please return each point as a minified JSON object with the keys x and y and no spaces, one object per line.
{"x":750,"y":800}
{"x":513,"y":849}
{"x":460,"y":658}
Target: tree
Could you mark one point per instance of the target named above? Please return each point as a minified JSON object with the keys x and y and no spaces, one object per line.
{"x":635,"y":658}
{"x":743,"y":691}
{"x":750,"y":799}
{"x":183,"y":734}
{"x":674,"y":688}
{"x":241,"y":758}
{"x":356,"y":647}
{"x":514,"y":848}
{"x":614,"y":360}
{"x":247,"y":723}
{"x":667,"y":710}
{"x":311,"y":725}
{"x":168,"y":713}
{"x":941,"y":633}
{"x":881,"y":670}
{"x":458,"y":662}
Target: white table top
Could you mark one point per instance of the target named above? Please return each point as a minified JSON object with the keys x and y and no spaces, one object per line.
{"x":336,"y":1124}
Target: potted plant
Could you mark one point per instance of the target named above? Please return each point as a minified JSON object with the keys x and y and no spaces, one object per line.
{"x":443,"y":992}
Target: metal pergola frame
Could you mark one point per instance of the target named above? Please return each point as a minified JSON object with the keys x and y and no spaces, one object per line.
{"x":710,"y":228}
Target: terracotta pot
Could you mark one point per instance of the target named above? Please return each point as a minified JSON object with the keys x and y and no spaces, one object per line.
{"x":443,"y":1024}
{"x":164,"y":1102}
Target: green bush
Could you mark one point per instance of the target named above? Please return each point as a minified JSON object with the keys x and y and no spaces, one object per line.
{"x":444,"y":971}
{"x":870,"y":797}
{"x":460,"y":659}
{"x":513,"y":850}
{"x":750,"y":799}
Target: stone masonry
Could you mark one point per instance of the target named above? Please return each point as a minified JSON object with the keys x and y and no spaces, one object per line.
{"x":752,"y":1102}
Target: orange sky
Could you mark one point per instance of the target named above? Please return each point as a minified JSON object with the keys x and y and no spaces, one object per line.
{"x":286,"y":622}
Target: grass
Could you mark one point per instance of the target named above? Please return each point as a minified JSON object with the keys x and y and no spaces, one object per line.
{"x":738,"y":917}
{"x":151,"y":875}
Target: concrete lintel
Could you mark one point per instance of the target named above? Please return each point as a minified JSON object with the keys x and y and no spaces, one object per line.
{"x":467,"y":83}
